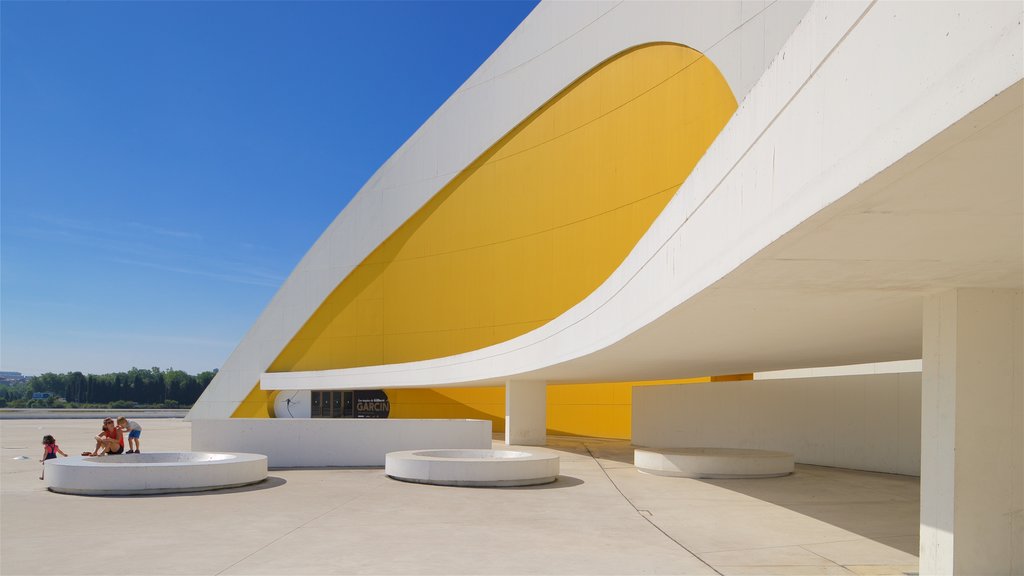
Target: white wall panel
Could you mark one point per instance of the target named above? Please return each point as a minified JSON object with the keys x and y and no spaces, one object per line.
{"x":864,"y":422}
{"x":321,"y":442}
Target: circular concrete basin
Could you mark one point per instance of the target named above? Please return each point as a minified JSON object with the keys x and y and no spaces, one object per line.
{"x":472,"y":467}
{"x":154,"y":473}
{"x":713,"y":462}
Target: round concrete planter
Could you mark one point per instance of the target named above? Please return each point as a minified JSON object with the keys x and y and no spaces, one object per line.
{"x":472,"y":467}
{"x":154,"y":473}
{"x":713,"y":462}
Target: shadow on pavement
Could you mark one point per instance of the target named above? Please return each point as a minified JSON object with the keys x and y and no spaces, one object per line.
{"x":878,"y":506}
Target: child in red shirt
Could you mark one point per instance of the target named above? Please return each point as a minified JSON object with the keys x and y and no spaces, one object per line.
{"x":50,"y":451}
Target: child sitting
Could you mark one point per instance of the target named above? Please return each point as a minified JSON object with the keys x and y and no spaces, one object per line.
{"x":109,"y":441}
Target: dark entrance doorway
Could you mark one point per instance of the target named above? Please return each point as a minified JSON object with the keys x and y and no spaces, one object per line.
{"x":349,"y":404}
{"x":332,"y":404}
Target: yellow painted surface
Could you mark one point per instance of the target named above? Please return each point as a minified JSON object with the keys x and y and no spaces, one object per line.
{"x":602,"y":410}
{"x":533,"y":225}
{"x":258,"y":404}
{"x":481,"y":403}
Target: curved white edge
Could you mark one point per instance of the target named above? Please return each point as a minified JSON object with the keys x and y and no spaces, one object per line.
{"x":434,"y":467}
{"x":555,"y":44}
{"x":857,"y":87}
{"x":125,"y":475}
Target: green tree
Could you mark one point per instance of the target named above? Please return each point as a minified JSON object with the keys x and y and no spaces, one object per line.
{"x":154,"y":387}
{"x":176,"y":383}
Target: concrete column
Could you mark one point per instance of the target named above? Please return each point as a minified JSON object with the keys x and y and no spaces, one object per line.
{"x":526,"y":416}
{"x":972,"y":433}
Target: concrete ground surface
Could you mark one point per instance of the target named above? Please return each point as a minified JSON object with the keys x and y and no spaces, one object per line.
{"x":600,"y":517}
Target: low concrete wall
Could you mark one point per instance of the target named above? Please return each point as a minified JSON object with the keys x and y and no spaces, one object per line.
{"x":316,"y":442}
{"x":864,"y":422}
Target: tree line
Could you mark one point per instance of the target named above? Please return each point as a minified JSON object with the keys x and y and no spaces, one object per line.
{"x":134,"y":388}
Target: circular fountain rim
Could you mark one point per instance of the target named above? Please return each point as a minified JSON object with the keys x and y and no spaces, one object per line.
{"x":128,"y":474}
{"x":452,"y":467}
{"x":471,"y":454}
{"x":145,"y":459}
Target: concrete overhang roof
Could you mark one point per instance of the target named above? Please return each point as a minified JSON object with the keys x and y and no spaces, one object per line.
{"x":808,"y":236}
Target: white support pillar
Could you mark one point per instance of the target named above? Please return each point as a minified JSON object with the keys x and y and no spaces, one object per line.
{"x":526,"y":416}
{"x":972,"y":433}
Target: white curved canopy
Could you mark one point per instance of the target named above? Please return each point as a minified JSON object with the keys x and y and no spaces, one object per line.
{"x":555,"y":44}
{"x":875,"y":162}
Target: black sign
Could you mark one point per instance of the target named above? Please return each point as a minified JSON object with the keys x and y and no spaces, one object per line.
{"x":372,"y":404}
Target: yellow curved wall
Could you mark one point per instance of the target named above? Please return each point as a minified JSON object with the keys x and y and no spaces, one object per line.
{"x":531,"y":227}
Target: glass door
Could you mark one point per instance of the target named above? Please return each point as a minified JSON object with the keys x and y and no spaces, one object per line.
{"x":331,"y":404}
{"x":315,"y":404}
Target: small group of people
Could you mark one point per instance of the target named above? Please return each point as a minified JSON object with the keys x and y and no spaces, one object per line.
{"x":110,"y":441}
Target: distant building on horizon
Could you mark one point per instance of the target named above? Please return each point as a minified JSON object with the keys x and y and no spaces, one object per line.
{"x":8,"y":377}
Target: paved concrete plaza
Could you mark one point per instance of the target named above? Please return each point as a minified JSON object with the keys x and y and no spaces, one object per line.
{"x":600,"y":517}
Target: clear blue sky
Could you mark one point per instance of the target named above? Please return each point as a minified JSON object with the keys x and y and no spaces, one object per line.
{"x":165,"y":165}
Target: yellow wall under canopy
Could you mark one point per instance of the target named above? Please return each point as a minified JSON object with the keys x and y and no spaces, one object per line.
{"x":527,"y":230}
{"x":602,"y":410}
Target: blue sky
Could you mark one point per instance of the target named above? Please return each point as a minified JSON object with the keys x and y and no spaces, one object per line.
{"x":165,"y":165}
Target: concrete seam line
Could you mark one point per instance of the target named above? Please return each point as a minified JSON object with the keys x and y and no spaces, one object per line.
{"x":645,"y":516}
{"x":822,"y":557}
{"x":507,"y":71}
{"x":703,"y":54}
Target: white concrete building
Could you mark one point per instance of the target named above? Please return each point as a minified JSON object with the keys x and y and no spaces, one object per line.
{"x":643,"y":191}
